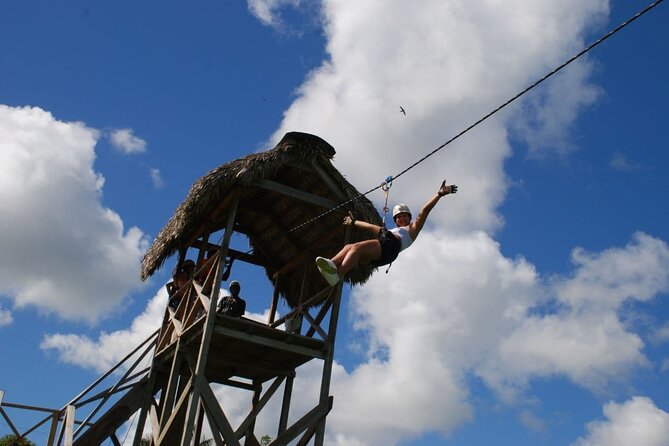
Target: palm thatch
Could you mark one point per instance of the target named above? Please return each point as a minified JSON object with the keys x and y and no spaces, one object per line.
{"x":283,"y":194}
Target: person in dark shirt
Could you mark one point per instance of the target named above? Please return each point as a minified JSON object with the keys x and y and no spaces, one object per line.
{"x":232,"y":305}
{"x":181,"y":277}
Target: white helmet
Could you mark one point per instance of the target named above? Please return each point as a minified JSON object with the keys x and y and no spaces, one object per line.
{"x":400,"y":209}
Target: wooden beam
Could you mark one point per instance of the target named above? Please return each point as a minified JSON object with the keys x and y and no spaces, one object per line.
{"x":315,"y":325}
{"x":279,"y":345}
{"x":179,"y":407}
{"x":249,"y":431}
{"x":53,"y":431}
{"x":315,"y":167}
{"x":244,"y":257}
{"x":259,"y":407}
{"x":297,"y":194}
{"x":319,"y":317}
{"x":69,"y":425}
{"x":155,"y":424}
{"x":237,"y":384}
{"x":308,"y":434}
{"x":215,"y":434}
{"x":23,"y":406}
{"x":171,"y":388}
{"x":198,"y":427}
{"x":232,"y":253}
{"x":9,"y":422}
{"x":315,"y":298}
{"x":275,"y":301}
{"x":217,"y":416}
{"x":329,"y":357}
{"x":312,"y":417}
{"x":200,"y":384}
{"x":285,"y":406}
{"x":328,"y":180}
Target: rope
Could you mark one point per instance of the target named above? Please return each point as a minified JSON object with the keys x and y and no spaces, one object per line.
{"x":490,"y":114}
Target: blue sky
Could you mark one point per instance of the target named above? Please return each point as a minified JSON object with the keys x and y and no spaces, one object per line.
{"x":533,"y":309}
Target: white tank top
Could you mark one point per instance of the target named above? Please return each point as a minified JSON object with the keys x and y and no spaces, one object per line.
{"x":402,"y":232}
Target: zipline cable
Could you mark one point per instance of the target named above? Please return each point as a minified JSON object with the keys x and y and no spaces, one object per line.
{"x":535,"y":84}
{"x":484,"y":118}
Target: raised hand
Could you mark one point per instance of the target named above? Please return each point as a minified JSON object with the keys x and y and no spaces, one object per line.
{"x":445,"y":190}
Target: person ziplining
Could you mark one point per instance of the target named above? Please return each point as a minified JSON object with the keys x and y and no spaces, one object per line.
{"x":388,"y":243}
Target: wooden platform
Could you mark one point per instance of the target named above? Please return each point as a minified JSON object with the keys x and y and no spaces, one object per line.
{"x":248,"y":349}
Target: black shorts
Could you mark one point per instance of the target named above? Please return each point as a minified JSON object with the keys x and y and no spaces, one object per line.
{"x":390,"y":248}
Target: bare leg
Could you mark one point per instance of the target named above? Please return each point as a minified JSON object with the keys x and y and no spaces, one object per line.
{"x":339,"y":258}
{"x":356,"y":253}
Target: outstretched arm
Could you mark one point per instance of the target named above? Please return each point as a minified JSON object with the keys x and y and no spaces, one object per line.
{"x":419,"y":222}
{"x":349,"y":220}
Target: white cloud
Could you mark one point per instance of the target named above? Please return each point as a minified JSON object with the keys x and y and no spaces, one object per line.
{"x":553,"y":110}
{"x":661,"y":334}
{"x":532,"y":421}
{"x":63,"y":252}
{"x":665,"y":365}
{"x":606,"y":279}
{"x":448,"y":64}
{"x":585,"y":339}
{"x":635,"y":422}
{"x":267,"y":11}
{"x":5,"y":317}
{"x":125,"y":141}
{"x":156,"y":178}
{"x":620,"y":162}
{"x":109,"y":348}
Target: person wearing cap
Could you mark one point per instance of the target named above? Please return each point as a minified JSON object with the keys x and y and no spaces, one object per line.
{"x":386,"y":246}
{"x":233,"y":305}
{"x":181,"y":277}
{"x":184,"y":274}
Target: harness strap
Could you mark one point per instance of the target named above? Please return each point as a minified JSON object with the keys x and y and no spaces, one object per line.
{"x":386,"y":185}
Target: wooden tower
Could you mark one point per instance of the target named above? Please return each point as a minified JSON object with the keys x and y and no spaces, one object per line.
{"x":286,"y":202}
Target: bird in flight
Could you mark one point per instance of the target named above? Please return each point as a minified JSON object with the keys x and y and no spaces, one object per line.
{"x":402,"y":110}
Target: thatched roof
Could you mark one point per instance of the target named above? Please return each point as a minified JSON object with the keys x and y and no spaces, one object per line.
{"x":279,"y":190}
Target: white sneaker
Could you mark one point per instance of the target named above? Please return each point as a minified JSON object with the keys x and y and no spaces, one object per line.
{"x":328,"y":270}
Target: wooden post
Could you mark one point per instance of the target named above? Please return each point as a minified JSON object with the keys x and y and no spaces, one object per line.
{"x":275,"y":301}
{"x":200,"y":419}
{"x":54,"y":429}
{"x":329,"y":358}
{"x":285,"y":407}
{"x":146,"y":405}
{"x":69,"y":425}
{"x":203,"y":249}
{"x":210,"y":320}
{"x":250,"y":436}
{"x":169,"y":393}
